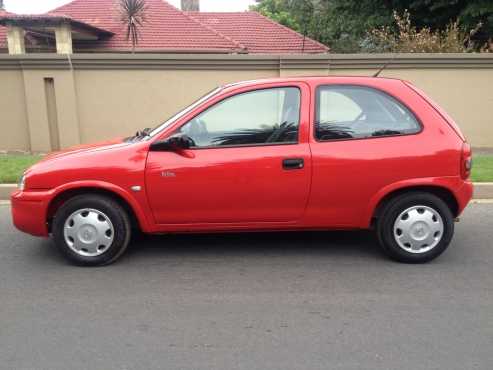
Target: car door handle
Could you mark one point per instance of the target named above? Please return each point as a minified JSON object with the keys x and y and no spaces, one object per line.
{"x":293,"y":164}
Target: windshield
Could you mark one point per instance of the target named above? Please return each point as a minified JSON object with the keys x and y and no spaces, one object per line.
{"x":184,"y":112}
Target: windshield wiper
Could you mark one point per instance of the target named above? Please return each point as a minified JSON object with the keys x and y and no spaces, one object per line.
{"x":145,"y":132}
{"x":139,"y":135}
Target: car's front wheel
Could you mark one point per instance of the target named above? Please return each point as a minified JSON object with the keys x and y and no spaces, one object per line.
{"x":91,"y":230}
{"x":415,"y":227}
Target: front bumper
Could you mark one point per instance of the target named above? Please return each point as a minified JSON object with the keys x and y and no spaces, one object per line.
{"x":29,"y":211}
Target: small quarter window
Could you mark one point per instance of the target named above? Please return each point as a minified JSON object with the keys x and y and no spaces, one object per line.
{"x":355,"y":112}
{"x":267,"y":116}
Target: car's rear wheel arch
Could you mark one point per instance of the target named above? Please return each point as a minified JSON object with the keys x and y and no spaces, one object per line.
{"x":441,"y":192}
{"x":68,"y":194}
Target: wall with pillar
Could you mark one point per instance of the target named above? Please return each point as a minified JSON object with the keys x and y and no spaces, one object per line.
{"x":63,"y":36}
{"x":16,"y":36}
{"x":16,"y":40}
{"x":24,"y":109}
{"x":14,"y":127}
{"x":95,"y":97}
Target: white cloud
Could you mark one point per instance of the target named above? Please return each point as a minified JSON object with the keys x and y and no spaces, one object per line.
{"x":41,"y":6}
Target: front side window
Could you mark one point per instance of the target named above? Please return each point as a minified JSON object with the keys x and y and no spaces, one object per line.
{"x":266,"y":116}
{"x":347,"y":112}
{"x":185,"y":111}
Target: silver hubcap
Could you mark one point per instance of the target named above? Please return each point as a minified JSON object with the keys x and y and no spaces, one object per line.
{"x":418,"y":229}
{"x":88,"y":232}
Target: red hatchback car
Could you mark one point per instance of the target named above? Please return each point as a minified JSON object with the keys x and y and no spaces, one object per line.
{"x":280,"y":154}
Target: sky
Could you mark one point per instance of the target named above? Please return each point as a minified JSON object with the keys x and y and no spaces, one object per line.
{"x":41,"y":6}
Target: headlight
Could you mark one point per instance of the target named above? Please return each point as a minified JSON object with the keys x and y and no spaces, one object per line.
{"x":22,"y":182}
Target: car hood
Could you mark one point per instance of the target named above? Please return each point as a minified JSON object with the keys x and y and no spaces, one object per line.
{"x":103,"y":145}
{"x":95,"y":162}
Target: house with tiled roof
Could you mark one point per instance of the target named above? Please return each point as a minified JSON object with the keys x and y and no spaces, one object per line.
{"x":85,"y":26}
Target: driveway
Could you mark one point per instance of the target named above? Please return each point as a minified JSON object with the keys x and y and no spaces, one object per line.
{"x":249,"y":301}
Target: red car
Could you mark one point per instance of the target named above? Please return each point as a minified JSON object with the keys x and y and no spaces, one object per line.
{"x":311,"y":153}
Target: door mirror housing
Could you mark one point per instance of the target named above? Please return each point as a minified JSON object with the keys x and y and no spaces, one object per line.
{"x":173,"y":144}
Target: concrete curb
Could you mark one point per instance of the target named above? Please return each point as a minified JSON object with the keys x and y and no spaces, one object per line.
{"x":482,"y":190}
{"x":6,"y":190}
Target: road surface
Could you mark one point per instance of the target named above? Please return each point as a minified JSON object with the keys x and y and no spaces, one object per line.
{"x":249,"y":301}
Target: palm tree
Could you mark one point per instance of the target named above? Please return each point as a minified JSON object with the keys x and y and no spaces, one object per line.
{"x":133,"y":16}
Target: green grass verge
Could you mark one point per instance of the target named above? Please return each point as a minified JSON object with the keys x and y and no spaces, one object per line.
{"x":12,"y":166}
{"x":482,"y":168}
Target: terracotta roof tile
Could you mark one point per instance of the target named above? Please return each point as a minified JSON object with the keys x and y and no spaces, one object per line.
{"x":3,"y":37}
{"x":3,"y":31}
{"x":168,"y":29}
{"x":259,"y":34}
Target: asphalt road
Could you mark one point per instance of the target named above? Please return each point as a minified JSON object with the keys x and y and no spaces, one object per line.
{"x":257,"y":301}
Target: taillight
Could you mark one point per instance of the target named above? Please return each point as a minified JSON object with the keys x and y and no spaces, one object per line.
{"x":466,"y":161}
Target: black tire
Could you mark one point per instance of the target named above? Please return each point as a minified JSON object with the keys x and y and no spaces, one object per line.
{"x":397,"y":205}
{"x":112,"y":209}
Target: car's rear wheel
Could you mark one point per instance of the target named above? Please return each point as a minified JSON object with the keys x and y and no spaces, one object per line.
{"x":91,"y":230}
{"x":415,"y":227}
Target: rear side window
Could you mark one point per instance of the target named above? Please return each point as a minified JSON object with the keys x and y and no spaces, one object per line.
{"x":355,"y":112}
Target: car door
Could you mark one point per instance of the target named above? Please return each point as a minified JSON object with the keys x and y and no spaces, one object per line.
{"x":249,"y":162}
{"x":363,"y":139}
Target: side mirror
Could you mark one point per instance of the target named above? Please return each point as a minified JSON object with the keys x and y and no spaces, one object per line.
{"x":172,"y":144}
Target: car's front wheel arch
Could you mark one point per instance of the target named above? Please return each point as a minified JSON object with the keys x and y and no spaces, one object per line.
{"x":65,"y":195}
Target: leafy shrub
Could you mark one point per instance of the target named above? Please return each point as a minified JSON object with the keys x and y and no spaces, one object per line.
{"x":408,"y":39}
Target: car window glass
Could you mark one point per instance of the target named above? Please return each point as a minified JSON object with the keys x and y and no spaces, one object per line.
{"x":346,"y":112}
{"x":183,"y":112}
{"x":265,"y":116}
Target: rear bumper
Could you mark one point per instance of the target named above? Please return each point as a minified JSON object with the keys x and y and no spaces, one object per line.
{"x":464,"y":195}
{"x":29,"y":210}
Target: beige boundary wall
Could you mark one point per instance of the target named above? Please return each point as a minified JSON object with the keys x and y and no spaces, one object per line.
{"x":48,"y":101}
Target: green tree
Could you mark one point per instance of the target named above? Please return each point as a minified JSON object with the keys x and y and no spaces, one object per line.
{"x":338,"y":23}
{"x":279,"y":11}
{"x":344,"y":24}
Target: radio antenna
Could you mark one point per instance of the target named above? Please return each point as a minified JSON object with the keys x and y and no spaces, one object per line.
{"x":384,"y":66}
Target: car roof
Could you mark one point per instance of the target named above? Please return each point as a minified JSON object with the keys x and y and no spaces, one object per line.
{"x":363,"y":80}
